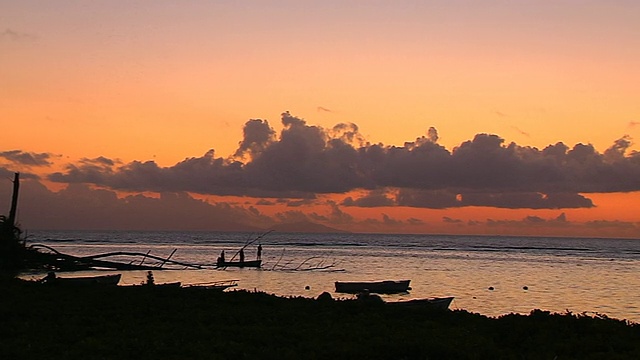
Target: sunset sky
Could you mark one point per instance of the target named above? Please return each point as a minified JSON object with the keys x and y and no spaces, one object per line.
{"x":464,"y":117}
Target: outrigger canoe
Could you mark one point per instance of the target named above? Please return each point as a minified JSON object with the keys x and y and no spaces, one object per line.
{"x":430,"y":303}
{"x":215,"y":285}
{"x":101,"y":280}
{"x":378,"y":287}
{"x":241,"y":264}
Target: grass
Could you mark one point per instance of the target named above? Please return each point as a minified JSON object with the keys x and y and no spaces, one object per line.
{"x":171,"y":323}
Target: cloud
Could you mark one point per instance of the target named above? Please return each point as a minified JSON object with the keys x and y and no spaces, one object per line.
{"x":297,"y":203}
{"x":617,"y":224}
{"x":323,"y":109}
{"x":265,"y":202}
{"x":291,"y":217}
{"x":374,"y":198}
{"x":81,"y":207}
{"x":528,"y":222}
{"x":443,"y":199}
{"x":303,"y":161}
{"x":387,"y":223}
{"x":526,"y":200}
{"x":521,"y":132}
{"x":13,"y":35}
{"x":449,"y":220}
{"x":431,"y":199}
{"x":414,"y":221}
{"x":618,"y":150}
{"x":257,"y":136}
{"x":20,"y":157}
{"x":432,"y":135}
{"x":560,"y":225}
{"x":386,"y":220}
{"x":9,"y":174}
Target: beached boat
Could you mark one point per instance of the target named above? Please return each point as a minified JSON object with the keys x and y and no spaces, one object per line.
{"x":430,"y":303}
{"x":378,"y":287}
{"x":241,"y":264}
{"x":175,"y":284}
{"x":215,"y":285}
{"x":101,"y":280}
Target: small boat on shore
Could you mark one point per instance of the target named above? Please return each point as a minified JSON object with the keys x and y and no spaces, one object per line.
{"x":378,"y":287}
{"x":240,"y":264}
{"x":100,"y":280}
{"x":215,"y":285}
{"x":429,"y":303}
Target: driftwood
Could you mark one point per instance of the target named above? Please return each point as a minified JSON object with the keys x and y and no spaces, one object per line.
{"x":61,"y":261}
{"x":305,"y":265}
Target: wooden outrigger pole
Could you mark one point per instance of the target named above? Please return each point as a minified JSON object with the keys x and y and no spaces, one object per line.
{"x":14,"y":201}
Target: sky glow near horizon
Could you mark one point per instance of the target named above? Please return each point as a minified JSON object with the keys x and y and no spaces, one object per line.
{"x":162,"y":81}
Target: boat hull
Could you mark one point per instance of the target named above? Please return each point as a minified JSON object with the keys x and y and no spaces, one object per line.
{"x":240,"y":264}
{"x":378,"y":287}
{"x":432,"y":303}
{"x":216,"y":285}
{"x":102,"y":280}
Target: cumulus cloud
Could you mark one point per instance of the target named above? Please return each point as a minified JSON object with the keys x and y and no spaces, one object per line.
{"x":257,"y":136}
{"x":303,"y":161}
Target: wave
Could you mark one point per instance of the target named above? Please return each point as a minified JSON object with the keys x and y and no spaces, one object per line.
{"x":310,"y":244}
{"x":525,"y":248}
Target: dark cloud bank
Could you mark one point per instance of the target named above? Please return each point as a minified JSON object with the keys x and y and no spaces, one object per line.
{"x":301,"y":163}
{"x":304,"y":161}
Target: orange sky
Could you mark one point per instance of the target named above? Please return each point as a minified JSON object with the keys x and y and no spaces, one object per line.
{"x":166,"y":81}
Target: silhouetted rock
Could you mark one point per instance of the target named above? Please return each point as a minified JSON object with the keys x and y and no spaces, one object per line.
{"x":325,"y":296}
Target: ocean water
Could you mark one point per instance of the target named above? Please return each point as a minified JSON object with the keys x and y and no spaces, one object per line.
{"x":486,"y":274}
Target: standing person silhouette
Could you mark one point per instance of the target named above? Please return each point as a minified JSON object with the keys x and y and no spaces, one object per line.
{"x":241,"y":255}
{"x":259,"y":252}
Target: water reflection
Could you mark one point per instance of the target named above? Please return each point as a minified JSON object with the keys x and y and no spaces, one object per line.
{"x":580,"y":275}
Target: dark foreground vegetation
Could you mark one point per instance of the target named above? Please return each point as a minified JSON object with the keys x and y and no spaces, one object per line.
{"x":48,"y":322}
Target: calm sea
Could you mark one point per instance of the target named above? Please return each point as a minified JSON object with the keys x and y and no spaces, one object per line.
{"x":486,"y":274}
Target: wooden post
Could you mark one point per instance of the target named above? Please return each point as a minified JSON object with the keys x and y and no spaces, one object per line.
{"x":14,"y":201}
